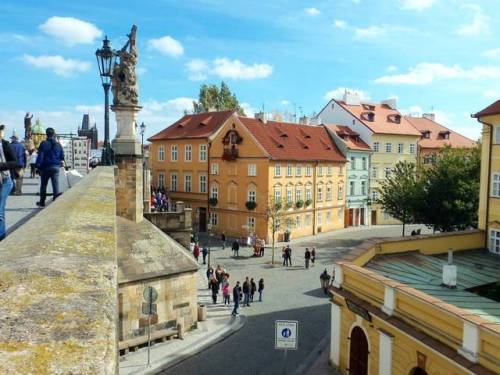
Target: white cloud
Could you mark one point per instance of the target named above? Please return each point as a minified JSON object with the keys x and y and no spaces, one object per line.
{"x":478,"y":25}
{"x":339,"y":24}
{"x":338,"y":93}
{"x":491,"y":94}
{"x":312,"y":11}
{"x":370,"y":32}
{"x":177,"y":105}
{"x":236,"y":69}
{"x":250,"y":111}
{"x":71,"y":30}
{"x":85,"y":108}
{"x":167,"y":45}
{"x":426,"y":73}
{"x":198,"y":69}
{"x":285,"y":102}
{"x":492,"y":53}
{"x":57,"y":64}
{"x":392,"y":68}
{"x":417,"y":4}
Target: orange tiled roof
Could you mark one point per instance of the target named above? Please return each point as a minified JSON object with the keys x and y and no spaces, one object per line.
{"x":349,"y":137}
{"x":423,"y":124}
{"x":290,"y":141}
{"x":492,"y":109}
{"x":384,"y":119}
{"x":200,"y":125}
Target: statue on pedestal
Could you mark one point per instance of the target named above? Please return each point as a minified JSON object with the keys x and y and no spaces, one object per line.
{"x":124,"y":82}
{"x":27,"y":126}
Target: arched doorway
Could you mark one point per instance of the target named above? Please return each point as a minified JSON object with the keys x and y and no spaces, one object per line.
{"x":418,"y":371}
{"x":358,"y":357}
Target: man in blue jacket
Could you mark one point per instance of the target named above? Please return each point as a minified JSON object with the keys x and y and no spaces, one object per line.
{"x":20,"y":152}
{"x":49,"y":161}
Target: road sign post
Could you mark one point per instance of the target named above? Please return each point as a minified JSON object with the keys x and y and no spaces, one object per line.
{"x":286,"y":337}
{"x":149,"y":307}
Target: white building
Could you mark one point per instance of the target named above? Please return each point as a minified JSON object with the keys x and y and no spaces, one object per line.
{"x":76,"y":153}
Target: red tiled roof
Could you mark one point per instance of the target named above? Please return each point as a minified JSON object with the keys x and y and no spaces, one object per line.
{"x":289,"y":141}
{"x":423,"y":124}
{"x":200,"y":125}
{"x":492,"y":109}
{"x":349,"y":137}
{"x":384,"y":118}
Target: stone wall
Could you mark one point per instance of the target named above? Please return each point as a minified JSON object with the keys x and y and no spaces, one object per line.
{"x":176,"y":304}
{"x":177,"y":225}
{"x":58,"y":285}
{"x":128,"y":179}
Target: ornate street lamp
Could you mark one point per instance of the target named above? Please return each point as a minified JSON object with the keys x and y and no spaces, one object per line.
{"x":106,"y":61}
{"x":143,"y":129}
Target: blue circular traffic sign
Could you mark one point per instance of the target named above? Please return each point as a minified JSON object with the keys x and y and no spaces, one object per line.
{"x":286,"y":332}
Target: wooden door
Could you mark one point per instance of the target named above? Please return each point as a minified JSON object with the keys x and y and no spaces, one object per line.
{"x":202,"y":221}
{"x":362,"y":213}
{"x":374,"y":217}
{"x":358,"y":357}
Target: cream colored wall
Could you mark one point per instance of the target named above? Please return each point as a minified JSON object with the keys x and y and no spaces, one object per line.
{"x":383,"y":160}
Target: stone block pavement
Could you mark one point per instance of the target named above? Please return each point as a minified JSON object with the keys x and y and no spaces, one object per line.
{"x":219,"y":325}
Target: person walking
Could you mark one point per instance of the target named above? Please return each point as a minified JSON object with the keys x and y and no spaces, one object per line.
{"x":49,"y":161}
{"x":196,"y":252}
{"x":284,"y":256}
{"x":313,"y":256}
{"x":33,"y":156}
{"x":253,"y":289}
{"x":210,"y":274}
{"x":289,"y":255}
{"x":214,"y":286}
{"x":236,"y":298}
{"x":8,"y":164}
{"x":307,"y":257}
{"x":223,"y":239}
{"x":226,"y":293}
{"x":236,"y":248}
{"x":204,"y":252}
{"x":246,"y":292}
{"x":20,"y":152}
{"x":261,"y":289}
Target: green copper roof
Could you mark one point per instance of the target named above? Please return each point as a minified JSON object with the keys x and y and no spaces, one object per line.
{"x":424,"y":272}
{"x":38,"y":127}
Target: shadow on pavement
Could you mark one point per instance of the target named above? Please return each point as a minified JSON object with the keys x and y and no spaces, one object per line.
{"x":317,"y":293}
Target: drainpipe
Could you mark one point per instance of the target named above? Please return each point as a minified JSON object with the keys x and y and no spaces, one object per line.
{"x":314,"y":192}
{"x":208,"y":181}
{"x":490,"y":146}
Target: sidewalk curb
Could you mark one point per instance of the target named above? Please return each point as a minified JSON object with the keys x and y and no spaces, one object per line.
{"x":197,"y":348}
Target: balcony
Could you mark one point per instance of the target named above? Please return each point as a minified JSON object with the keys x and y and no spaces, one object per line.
{"x":230,"y":154}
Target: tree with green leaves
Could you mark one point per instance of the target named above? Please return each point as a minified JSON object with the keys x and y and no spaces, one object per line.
{"x":401,"y":193}
{"x":213,"y":98}
{"x":451,"y":190}
{"x":275,"y":214}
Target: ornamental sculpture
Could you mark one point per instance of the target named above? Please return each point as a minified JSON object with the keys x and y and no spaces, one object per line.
{"x":124,"y":82}
{"x":27,"y":126}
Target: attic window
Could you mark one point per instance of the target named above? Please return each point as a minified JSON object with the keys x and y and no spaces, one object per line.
{"x":426,"y":134}
{"x":397,"y":119}
{"x":369,"y":107}
{"x":284,"y":135}
{"x":205,"y":121}
{"x":445,"y":134}
{"x":370,"y":116}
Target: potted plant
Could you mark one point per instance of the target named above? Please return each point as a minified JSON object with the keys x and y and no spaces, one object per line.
{"x":212,"y":201}
{"x":277,"y":206}
{"x":308,"y":202}
{"x":288,"y":205}
{"x":299,"y":203}
{"x":250,"y":205}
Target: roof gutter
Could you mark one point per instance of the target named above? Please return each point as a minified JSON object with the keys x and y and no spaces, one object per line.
{"x":488,"y":179}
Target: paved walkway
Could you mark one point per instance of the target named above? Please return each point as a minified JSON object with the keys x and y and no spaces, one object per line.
{"x":219,"y":325}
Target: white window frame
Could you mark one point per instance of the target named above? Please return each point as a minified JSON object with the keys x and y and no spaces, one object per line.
{"x":319,"y":218}
{"x":374,"y":173}
{"x":251,"y":195}
{"x":497,"y":135}
{"x":298,"y":170}
{"x":320,"y":170}
{"x":388,"y":147}
{"x":328,"y":217}
{"x":319,"y":193}
{"x":213,"y":218}
{"x":308,"y":170}
{"x":188,"y":182}
{"x":252,"y":170}
{"x":352,"y":188}
{"x":412,"y":148}
{"x":376,"y":146}
{"x":401,"y":147}
{"x":298,"y":193}
{"x":174,"y":181}
{"x":308,"y":194}
{"x":161,"y":153}
{"x":308,"y":220}
{"x":161,"y":179}
{"x":495,"y":185}
{"x":188,"y":153}
{"x":494,"y":242}
{"x":251,"y":223}
{"x":329,"y":170}
{"x":289,"y":194}
{"x":174,"y":153}
{"x":387,"y":172}
{"x":375,"y":196}
{"x":203,"y":183}
{"x":352,"y":164}
{"x":214,"y":192}
{"x":277,"y":170}
{"x":289,"y":170}
{"x":364,"y":163}
{"x":363,"y":187}
{"x":298,"y":222}
{"x":340,"y":193}
{"x":277,"y":194}
{"x":214,"y":168}
{"x":329,"y":192}
{"x":203,"y":153}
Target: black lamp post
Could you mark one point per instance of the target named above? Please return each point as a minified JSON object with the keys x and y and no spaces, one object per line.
{"x":143,"y":129}
{"x":105,"y":61}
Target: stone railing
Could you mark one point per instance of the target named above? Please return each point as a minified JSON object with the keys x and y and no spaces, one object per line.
{"x":58,"y":285}
{"x":177,"y":225}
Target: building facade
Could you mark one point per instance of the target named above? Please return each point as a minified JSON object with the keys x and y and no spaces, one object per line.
{"x":358,"y":155}
{"x":89,"y":132}
{"x":434,"y":138}
{"x":380,"y":125}
{"x":76,"y":152}
{"x":489,"y":194}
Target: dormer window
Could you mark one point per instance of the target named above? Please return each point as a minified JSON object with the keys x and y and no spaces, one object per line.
{"x":426,"y":134}
{"x":371,"y":116}
{"x":444,"y":134}
{"x":397,"y":119}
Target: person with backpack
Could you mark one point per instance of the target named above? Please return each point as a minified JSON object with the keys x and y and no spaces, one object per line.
{"x":49,"y":161}
{"x":261,"y":289}
{"x":20,"y":152}
{"x":8,"y":164}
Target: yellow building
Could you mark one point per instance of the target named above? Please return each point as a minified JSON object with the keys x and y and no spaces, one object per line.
{"x":426,"y":304}
{"x":489,"y":197}
{"x":249,"y":160}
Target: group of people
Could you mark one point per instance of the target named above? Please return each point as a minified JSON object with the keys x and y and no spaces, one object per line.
{"x":13,"y":161}
{"x":159,"y":201}
{"x":218,"y":280}
{"x":197,"y":251}
{"x":309,"y":256}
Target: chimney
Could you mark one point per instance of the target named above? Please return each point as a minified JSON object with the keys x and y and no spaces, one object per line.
{"x":450,"y":272}
{"x":261,"y":116}
{"x":391,"y":103}
{"x":304,"y":120}
{"x":430,"y":116}
{"x":352,"y":98}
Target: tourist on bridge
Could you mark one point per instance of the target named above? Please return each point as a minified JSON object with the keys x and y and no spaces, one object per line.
{"x":214,"y":286}
{"x":236,"y":298}
{"x":8,"y":164}
{"x":49,"y":162}
{"x":20,"y":152}
{"x":210,"y":274}
{"x":33,"y":157}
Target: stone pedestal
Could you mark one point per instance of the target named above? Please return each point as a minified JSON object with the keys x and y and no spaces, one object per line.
{"x":129,"y":172}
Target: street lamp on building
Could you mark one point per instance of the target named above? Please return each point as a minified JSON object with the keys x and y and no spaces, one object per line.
{"x":105,"y":61}
{"x":143,"y":129}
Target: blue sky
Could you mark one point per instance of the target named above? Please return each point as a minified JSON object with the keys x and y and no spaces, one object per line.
{"x":439,"y":55}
